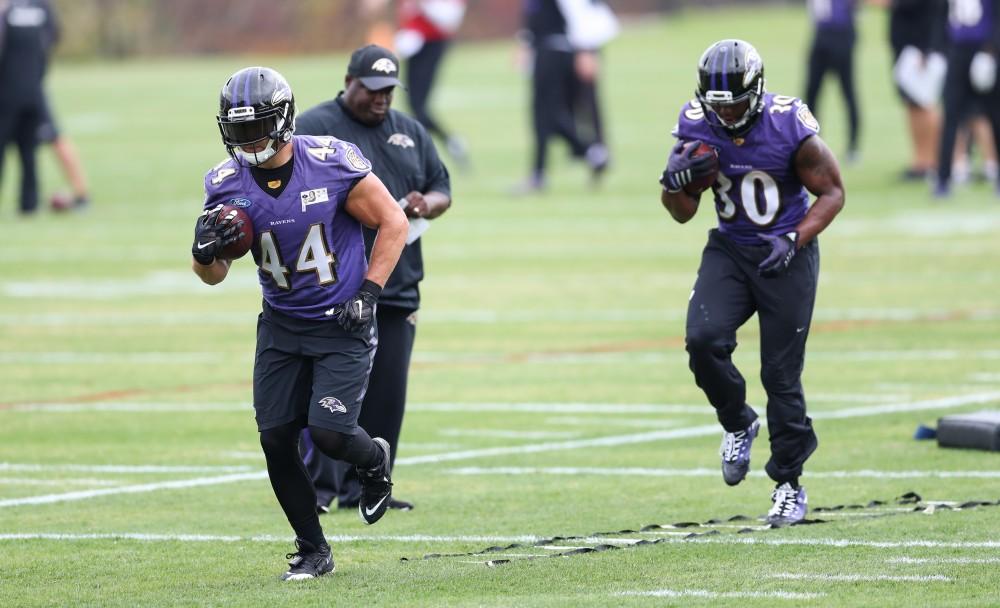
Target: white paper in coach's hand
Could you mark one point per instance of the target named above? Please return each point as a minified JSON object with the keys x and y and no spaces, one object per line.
{"x":418,"y":225}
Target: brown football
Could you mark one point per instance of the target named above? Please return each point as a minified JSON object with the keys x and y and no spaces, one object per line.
{"x":241,"y":246}
{"x":700,"y":185}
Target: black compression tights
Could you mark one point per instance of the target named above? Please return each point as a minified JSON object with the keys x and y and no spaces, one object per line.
{"x":289,"y":479}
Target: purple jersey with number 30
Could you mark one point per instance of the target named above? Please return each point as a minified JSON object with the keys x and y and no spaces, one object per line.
{"x":970,"y":22}
{"x":833,"y":14}
{"x":757,"y":190}
{"x":309,"y":251}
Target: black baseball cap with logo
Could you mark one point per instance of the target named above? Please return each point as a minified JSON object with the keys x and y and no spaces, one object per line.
{"x":376,"y":67}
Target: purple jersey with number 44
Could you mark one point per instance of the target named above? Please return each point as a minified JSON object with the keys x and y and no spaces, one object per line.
{"x":310,"y":253}
{"x":757,"y":190}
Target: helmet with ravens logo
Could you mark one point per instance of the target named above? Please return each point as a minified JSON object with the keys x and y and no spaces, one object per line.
{"x":731,"y":86}
{"x":256,"y":104}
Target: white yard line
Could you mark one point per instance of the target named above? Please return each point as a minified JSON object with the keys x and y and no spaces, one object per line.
{"x":635,"y":357}
{"x":120,"y":468}
{"x":109,"y":358}
{"x":704,"y":593}
{"x":564,"y":408}
{"x":545,"y":408}
{"x":132,"y":407}
{"x":575,"y":444}
{"x":860,"y":578}
{"x":508,"y":434}
{"x":661,"y":435}
{"x":136,"y":489}
{"x":943,"y":560}
{"x":699,"y":431}
{"x":862,"y":356}
{"x":212,"y":538}
{"x":839,"y":543}
{"x":171,"y":283}
{"x":468,"y":317}
{"x":915,"y":406}
{"x":705,"y":472}
{"x":621,"y":421}
{"x":843,"y":543}
{"x":75,"y":481}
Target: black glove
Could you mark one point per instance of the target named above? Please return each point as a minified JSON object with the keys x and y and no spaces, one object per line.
{"x":211,"y":236}
{"x":359,"y":310}
{"x":683,"y":167}
{"x":782,"y":252}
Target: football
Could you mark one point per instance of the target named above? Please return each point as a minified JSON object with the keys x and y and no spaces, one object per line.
{"x":60,"y":201}
{"x":241,"y":246}
{"x":700,"y":185}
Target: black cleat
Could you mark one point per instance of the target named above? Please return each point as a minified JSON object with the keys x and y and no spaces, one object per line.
{"x":308,"y":562}
{"x":376,"y":486}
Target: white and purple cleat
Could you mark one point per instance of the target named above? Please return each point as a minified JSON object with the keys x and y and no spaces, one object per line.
{"x":735,"y":451}
{"x":789,"y":505}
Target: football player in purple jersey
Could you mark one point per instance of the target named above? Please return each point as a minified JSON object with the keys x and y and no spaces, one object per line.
{"x":971,"y":80}
{"x":834,"y":38}
{"x":307,"y":199}
{"x":763,"y":258}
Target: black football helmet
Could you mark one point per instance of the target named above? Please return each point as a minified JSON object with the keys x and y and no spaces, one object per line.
{"x":256,"y":104}
{"x":729,"y":73}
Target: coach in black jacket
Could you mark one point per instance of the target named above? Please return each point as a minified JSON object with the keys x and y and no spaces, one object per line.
{"x":28,"y":31}
{"x":404,"y":158}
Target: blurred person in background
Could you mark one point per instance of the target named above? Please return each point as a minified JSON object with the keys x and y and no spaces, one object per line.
{"x":306,"y":199}
{"x":765,"y":158}
{"x":917,"y":37}
{"x":28,"y":32}
{"x":404,"y":158}
{"x":589,"y":117}
{"x":564,"y":37}
{"x":974,"y":41}
{"x":834,"y":39}
{"x":426,"y":29}
{"x":975,"y":135}
{"x":69,"y":162}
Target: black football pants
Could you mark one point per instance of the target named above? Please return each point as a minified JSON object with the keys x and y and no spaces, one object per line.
{"x":421,"y":70}
{"x":381,"y":411}
{"x":19,"y":125}
{"x":834,"y":51}
{"x":727,"y":292}
{"x":959,"y":101}
{"x":587,"y":111}
{"x":553,"y":84}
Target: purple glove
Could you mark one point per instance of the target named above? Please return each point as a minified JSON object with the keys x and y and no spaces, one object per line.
{"x":782,"y":252}
{"x":684,"y":167}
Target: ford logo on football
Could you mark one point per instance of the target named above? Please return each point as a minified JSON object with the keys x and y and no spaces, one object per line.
{"x":242,"y":203}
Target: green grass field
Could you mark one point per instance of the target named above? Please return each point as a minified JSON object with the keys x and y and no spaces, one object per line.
{"x":550,"y":394}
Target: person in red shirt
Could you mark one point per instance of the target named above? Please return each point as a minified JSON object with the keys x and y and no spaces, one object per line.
{"x":426,"y":29}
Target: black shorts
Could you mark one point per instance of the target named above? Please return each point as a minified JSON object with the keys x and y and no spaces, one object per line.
{"x":313,"y":371}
